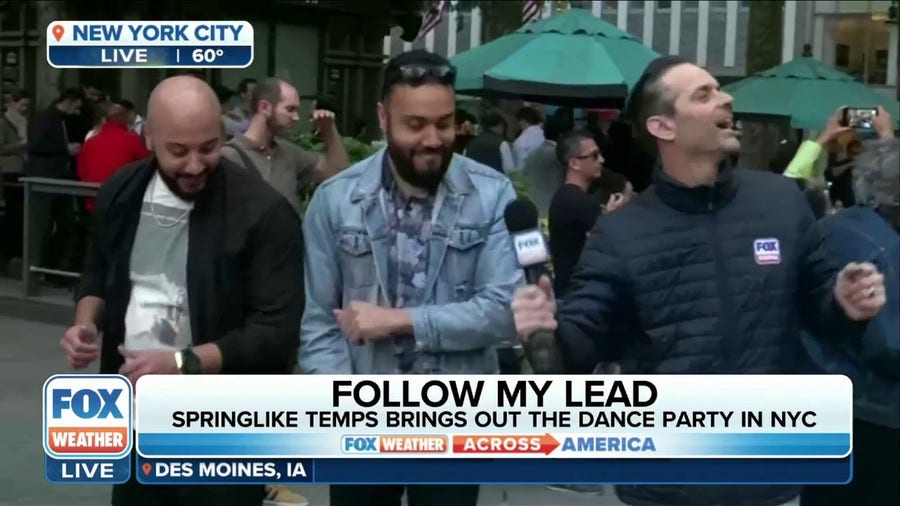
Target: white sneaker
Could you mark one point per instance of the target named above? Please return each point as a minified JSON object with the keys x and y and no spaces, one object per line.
{"x":279,"y":495}
{"x":595,"y":490}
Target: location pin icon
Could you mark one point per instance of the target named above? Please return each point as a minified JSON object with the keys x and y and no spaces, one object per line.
{"x":58,"y":31}
{"x":147,"y":467}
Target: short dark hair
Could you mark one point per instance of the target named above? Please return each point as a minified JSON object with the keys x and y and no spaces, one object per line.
{"x":462,"y":115}
{"x":71,"y":94}
{"x":245,"y":83}
{"x":415,"y":68}
{"x":610,"y":182}
{"x":223,"y":94}
{"x":268,"y":90}
{"x":570,"y":146}
{"x":127,"y":104}
{"x":491,"y":119}
{"x":528,"y":115}
{"x":18,"y":96}
{"x":650,"y":97}
{"x":558,"y":124}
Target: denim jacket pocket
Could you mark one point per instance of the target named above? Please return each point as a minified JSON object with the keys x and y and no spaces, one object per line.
{"x":357,"y":261}
{"x":464,"y":246}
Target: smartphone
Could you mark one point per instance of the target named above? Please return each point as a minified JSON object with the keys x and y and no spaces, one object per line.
{"x":859,"y":117}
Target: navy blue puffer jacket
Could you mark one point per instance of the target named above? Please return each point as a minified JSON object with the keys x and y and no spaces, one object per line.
{"x":708,"y":280}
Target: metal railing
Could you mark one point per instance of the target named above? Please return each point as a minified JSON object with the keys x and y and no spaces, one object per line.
{"x":52,"y":186}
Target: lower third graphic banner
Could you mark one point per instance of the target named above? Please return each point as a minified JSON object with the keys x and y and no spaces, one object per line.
{"x":493,"y":429}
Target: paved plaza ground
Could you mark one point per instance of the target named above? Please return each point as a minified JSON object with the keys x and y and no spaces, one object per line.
{"x":29,"y":353}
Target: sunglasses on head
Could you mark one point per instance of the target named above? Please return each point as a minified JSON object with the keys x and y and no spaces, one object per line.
{"x":420,"y":72}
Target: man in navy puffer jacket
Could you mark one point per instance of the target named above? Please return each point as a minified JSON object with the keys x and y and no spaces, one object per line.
{"x":711,"y":270}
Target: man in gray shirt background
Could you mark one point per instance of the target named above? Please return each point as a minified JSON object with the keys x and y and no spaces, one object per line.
{"x":287,"y":167}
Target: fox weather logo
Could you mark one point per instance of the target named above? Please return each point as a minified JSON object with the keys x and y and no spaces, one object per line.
{"x":87,"y":416}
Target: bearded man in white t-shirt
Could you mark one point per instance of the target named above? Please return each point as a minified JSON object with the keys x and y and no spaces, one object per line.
{"x":195,"y":268}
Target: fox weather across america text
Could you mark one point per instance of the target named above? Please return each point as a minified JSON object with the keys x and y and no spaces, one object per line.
{"x":149,"y":44}
{"x":477,"y":429}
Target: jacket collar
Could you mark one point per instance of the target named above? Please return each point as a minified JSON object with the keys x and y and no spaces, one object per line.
{"x":133,"y":188}
{"x":455,"y":182}
{"x":699,"y":199}
{"x":205,"y":238}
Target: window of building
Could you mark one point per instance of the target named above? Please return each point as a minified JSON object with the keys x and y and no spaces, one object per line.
{"x":716,"y":5}
{"x":11,"y":21}
{"x":860,"y":48}
{"x":842,"y":55}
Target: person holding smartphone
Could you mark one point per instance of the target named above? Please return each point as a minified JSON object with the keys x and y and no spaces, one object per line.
{"x":868,"y":232}
{"x":844,"y":137}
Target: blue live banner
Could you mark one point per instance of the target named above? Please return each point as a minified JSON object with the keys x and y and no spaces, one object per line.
{"x":74,"y":471}
{"x":149,"y":44}
{"x":150,"y":56}
{"x":180,"y":471}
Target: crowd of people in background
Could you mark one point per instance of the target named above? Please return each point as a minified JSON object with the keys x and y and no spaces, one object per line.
{"x":625,"y":201}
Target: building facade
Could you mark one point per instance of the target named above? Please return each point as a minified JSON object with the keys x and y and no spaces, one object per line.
{"x":858,"y":38}
{"x":20,"y":46}
{"x":714,"y":33}
{"x":336,"y":48}
{"x":331,"y":49}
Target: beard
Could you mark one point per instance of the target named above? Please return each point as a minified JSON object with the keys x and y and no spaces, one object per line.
{"x":172,"y":184}
{"x":274,"y":127}
{"x":428,"y":179}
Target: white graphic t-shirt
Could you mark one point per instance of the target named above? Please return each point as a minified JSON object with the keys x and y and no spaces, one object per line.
{"x":158,"y":316}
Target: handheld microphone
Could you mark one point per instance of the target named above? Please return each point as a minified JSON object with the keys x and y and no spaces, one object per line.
{"x":521,"y":219}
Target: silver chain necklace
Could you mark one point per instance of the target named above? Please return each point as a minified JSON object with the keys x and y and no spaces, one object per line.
{"x":172,"y":223}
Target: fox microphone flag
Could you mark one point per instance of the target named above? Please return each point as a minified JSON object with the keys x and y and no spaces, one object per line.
{"x":521,"y":218}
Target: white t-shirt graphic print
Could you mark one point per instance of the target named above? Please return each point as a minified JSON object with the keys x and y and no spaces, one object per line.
{"x":158,"y":316}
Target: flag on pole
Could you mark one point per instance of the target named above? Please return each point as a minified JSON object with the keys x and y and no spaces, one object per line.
{"x":432,"y":18}
{"x":531,"y":10}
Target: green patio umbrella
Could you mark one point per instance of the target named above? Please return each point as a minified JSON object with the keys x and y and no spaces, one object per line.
{"x":807,"y":91}
{"x":572,"y":58}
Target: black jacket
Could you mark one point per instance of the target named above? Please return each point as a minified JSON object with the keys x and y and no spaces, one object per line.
{"x":47,"y":135}
{"x":244,"y":267}
{"x":48,"y":146}
{"x":670,"y":284}
{"x":485,"y":148}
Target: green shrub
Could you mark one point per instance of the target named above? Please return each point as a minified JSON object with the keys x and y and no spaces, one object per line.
{"x":356,"y":152}
{"x":520,"y":183}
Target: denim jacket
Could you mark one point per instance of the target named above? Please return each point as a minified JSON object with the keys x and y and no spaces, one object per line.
{"x":472,"y":272}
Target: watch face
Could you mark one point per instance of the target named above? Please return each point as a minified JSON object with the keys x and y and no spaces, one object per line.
{"x":191,"y":363}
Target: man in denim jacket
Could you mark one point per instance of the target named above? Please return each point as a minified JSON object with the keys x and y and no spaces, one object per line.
{"x":411,"y":268}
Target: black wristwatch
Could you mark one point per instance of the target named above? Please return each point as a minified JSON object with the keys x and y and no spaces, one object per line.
{"x":188,"y":362}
